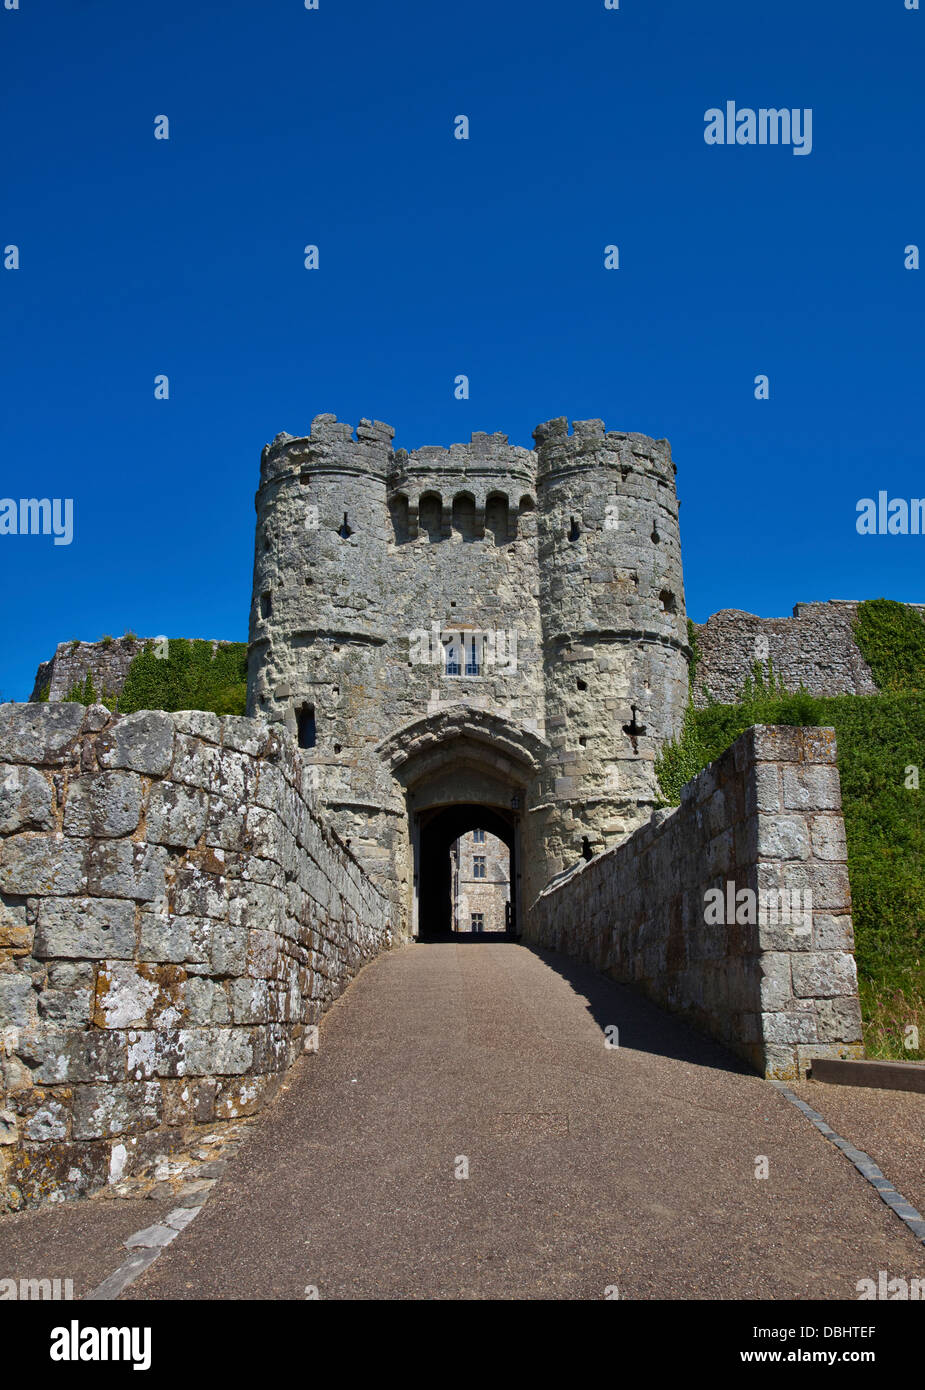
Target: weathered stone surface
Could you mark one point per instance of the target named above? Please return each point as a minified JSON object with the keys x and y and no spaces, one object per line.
{"x":39,"y":734}
{"x":828,"y":834}
{"x":85,"y":929}
{"x":42,"y":864}
{"x":774,"y":743}
{"x":138,"y":995}
{"x":785,"y":932}
{"x":105,"y":662}
{"x":48,"y":1122}
{"x":244,"y":735}
{"x":199,"y":723}
{"x":142,"y":742}
{"x":193,"y":761}
{"x":65,"y":1055}
{"x":26,"y":799}
{"x":165,"y":937}
{"x":839,"y":1020}
{"x":155,"y":1052}
{"x":60,"y":1170}
{"x":228,"y":949}
{"x":17,"y":1000}
{"x":96,"y":718}
{"x":832,"y":932}
{"x":226,"y":824}
{"x":787,"y":1027}
{"x":103,"y":1111}
{"x":783,"y":837}
{"x":252,"y":904}
{"x":168,"y":979}
{"x":237,"y":1097}
{"x":762,"y":792}
{"x":152,"y":1237}
{"x":108,"y":804}
{"x":205,"y":1001}
{"x":813,"y":788}
{"x":768,"y":970}
{"x":216,"y":1051}
{"x":824,"y":974}
{"x":17,"y":925}
{"x":250,"y":1001}
{"x":65,"y":1001}
{"x":176,"y":814}
{"x":234,"y":778}
{"x":830,"y":887}
{"x":181,"y":1217}
{"x":815,"y":648}
{"x":126,"y":869}
{"x":262,"y":954}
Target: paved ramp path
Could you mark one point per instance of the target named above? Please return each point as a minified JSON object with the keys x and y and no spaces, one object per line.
{"x":588,"y":1167}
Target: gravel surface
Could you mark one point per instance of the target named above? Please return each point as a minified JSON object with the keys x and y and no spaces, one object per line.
{"x":588,"y":1168}
{"x":80,"y":1241}
{"x":889,"y":1125}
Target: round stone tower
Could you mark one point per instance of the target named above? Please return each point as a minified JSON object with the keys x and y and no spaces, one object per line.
{"x":614,"y":629}
{"x":318,"y":613}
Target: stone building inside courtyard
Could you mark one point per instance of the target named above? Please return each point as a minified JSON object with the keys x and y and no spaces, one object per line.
{"x":480,"y":868}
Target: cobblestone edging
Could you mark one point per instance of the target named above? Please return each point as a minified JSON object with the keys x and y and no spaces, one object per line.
{"x":765,"y":817}
{"x":174,"y":920}
{"x":865,"y":1165}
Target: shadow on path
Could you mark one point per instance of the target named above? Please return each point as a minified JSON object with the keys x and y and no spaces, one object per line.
{"x":643,"y":1026}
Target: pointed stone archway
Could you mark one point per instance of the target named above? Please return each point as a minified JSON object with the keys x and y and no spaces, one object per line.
{"x":459,"y":769}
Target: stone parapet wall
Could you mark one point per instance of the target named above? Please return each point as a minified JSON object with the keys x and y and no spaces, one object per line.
{"x":764,"y":817}
{"x":173,"y":918}
{"x":106,"y":663}
{"x":815,"y":648}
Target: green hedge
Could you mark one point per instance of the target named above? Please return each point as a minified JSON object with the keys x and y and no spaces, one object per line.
{"x":891,"y":637}
{"x":82,"y":692}
{"x":189,"y":676}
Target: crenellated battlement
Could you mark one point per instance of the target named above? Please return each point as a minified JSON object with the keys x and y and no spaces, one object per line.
{"x":331,"y":445}
{"x":591,"y":445}
{"x":355,"y":484}
{"x":335,"y":446}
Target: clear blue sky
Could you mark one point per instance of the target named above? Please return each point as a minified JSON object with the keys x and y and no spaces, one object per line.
{"x":441,"y":257}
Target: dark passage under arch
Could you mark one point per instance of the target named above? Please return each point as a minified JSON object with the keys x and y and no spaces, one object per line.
{"x":440,"y":828}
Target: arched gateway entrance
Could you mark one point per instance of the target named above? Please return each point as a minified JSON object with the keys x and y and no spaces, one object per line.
{"x":437,"y":894}
{"x":460,"y":770}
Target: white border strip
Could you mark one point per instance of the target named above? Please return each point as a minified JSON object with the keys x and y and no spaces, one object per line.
{"x":145,"y":1245}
